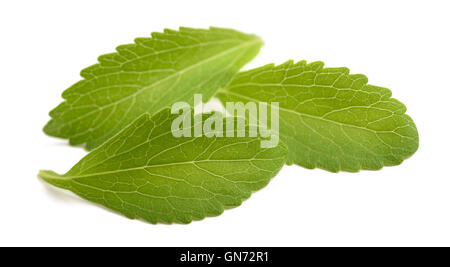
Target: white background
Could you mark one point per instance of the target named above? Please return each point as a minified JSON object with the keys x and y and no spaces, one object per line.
{"x":401,"y":45}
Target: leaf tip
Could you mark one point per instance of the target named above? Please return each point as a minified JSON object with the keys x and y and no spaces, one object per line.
{"x":51,"y":129}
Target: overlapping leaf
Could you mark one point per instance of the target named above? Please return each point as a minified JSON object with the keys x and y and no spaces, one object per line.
{"x":329,"y":118}
{"x":145,"y":172}
{"x":147,"y":76}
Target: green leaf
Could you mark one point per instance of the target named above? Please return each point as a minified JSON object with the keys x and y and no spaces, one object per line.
{"x":329,"y":118}
{"x":148,"y":76}
{"x":145,"y":172}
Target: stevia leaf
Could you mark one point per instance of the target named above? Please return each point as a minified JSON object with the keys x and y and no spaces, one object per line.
{"x":329,"y":118}
{"x":145,"y":172}
{"x":147,"y":76}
